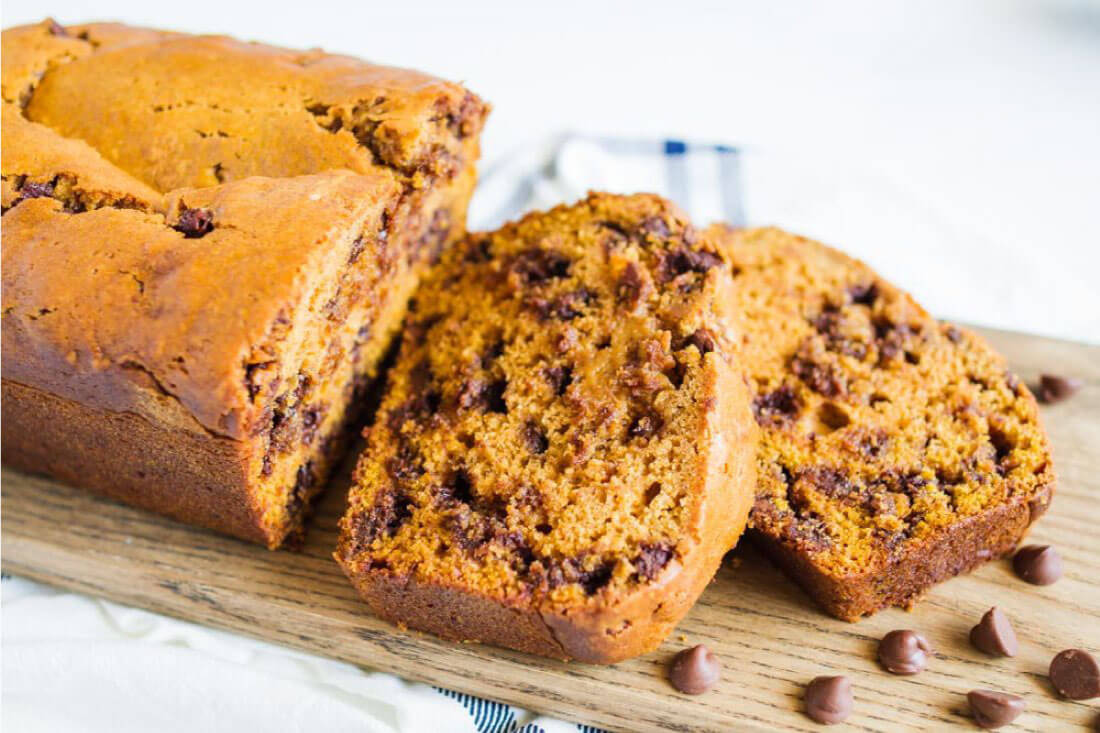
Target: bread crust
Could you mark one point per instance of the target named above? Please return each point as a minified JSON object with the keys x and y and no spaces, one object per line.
{"x":907,"y":578}
{"x":191,"y":476}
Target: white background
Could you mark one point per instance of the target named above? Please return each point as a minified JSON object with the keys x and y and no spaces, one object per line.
{"x":984,"y":113}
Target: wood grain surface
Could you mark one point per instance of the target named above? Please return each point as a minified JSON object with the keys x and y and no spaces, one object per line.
{"x":770,"y":637}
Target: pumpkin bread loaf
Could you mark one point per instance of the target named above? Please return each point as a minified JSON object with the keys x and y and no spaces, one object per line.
{"x":896,"y":451}
{"x":208,"y":247}
{"x":565,"y":450}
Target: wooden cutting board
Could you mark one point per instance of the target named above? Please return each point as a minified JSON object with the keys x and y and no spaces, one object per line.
{"x":770,"y":637}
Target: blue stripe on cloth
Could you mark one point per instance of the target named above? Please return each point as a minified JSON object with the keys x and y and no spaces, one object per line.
{"x":710,"y":176}
{"x":496,"y":717}
{"x":676,"y":171}
{"x":489,"y":716}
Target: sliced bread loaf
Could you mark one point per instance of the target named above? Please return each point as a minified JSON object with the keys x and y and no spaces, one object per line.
{"x":896,"y":451}
{"x":565,"y":449}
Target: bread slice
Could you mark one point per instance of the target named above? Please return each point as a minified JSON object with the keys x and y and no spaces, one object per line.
{"x":896,"y":451}
{"x":208,"y":247}
{"x":565,"y":450}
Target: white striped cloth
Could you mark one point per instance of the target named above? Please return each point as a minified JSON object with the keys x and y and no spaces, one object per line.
{"x":704,"y":179}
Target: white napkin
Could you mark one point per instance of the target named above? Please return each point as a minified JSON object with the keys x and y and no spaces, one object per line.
{"x":71,"y":662}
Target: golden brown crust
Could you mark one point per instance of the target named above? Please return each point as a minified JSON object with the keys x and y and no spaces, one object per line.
{"x":81,"y":178}
{"x":320,"y":111}
{"x":564,"y":452}
{"x":32,"y":50}
{"x":196,"y":477}
{"x":896,"y":451}
{"x":949,"y":552}
{"x":147,"y":269}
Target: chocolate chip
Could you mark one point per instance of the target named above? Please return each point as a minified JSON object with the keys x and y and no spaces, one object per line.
{"x":864,"y":293}
{"x":390,"y":510}
{"x":776,"y":407}
{"x":56,"y":29}
{"x":480,"y":250}
{"x":34,"y":190}
{"x":405,"y":465}
{"x":809,"y":534}
{"x":515,"y":543}
{"x":656,"y":226}
{"x":702,"y":340}
{"x":535,"y":439}
{"x":828,"y":323}
{"x":821,"y":378}
{"x":694,"y":671}
{"x":537,"y":265}
{"x":832,"y":482}
{"x":1053,"y":388}
{"x":953,"y":334}
{"x":303,"y":482}
{"x":682,"y":261}
{"x":1038,"y":564}
{"x":994,"y":635}
{"x":631,"y":286}
{"x":471,"y":393}
{"x":487,"y":396}
{"x":565,"y":307}
{"x":1075,"y":674}
{"x":652,"y":559}
{"x":994,"y":709}
{"x":559,"y":377}
{"x":593,"y":580}
{"x":252,"y":374}
{"x":494,"y":351}
{"x":903,"y":652}
{"x":829,"y":699}
{"x":833,"y":416}
{"x":645,"y":425}
{"x":494,"y":397}
{"x":459,"y":488}
{"x":311,"y":420}
{"x":891,"y":340}
{"x":195,"y":223}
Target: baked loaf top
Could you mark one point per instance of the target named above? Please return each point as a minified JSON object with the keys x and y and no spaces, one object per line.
{"x":563,"y":428}
{"x":176,"y":110}
{"x":881,"y":428}
{"x":134,"y":159}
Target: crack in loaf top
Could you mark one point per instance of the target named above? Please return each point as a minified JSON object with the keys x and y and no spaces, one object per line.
{"x":177,"y":110}
{"x":169,"y":199}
